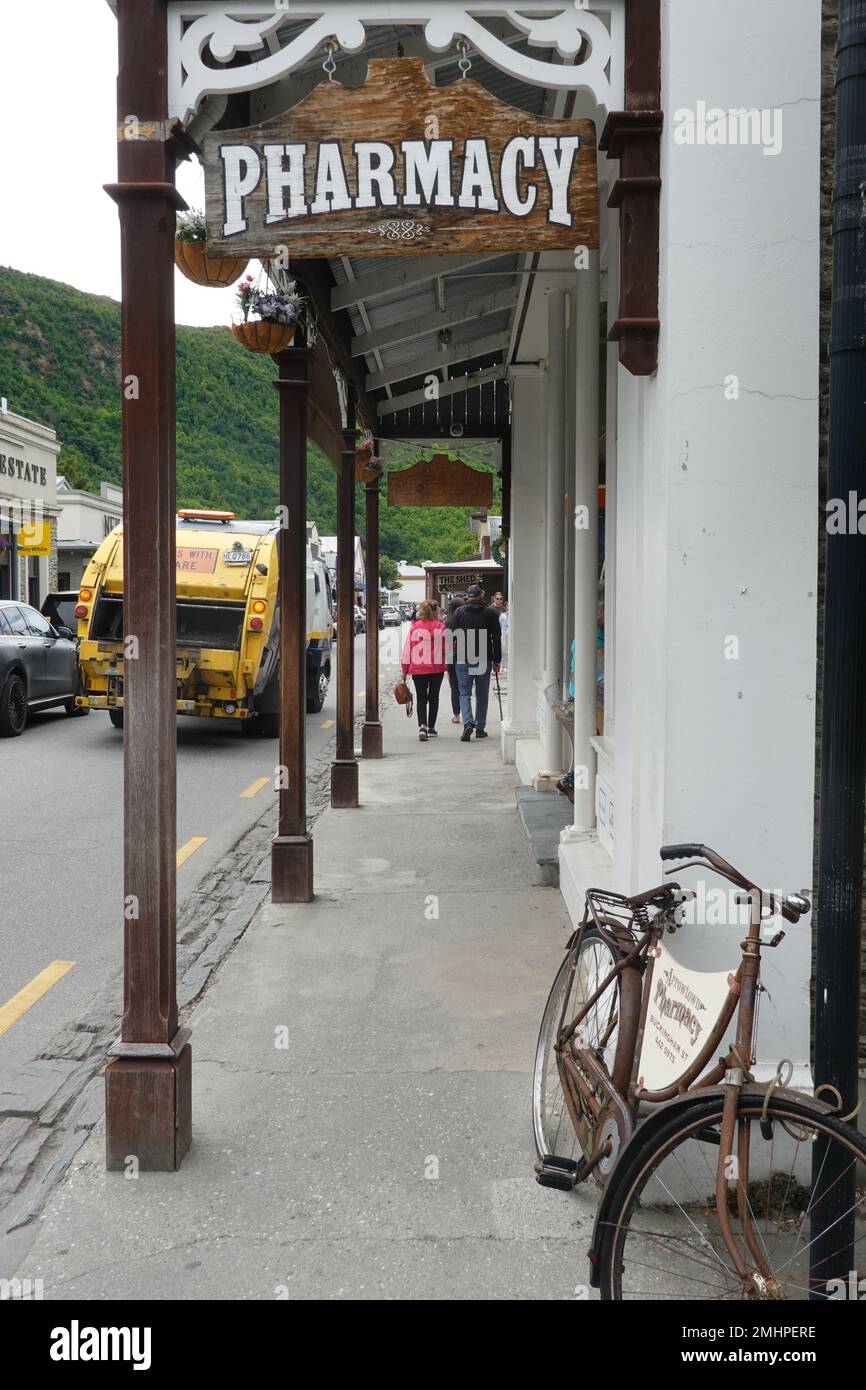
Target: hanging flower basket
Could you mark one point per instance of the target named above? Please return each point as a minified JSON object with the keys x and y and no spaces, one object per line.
{"x":258,"y":336}
{"x":193,"y":261}
{"x":367,"y":466}
{"x":191,"y":254}
{"x":278,"y":313}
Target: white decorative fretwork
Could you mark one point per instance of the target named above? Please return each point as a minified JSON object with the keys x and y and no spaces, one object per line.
{"x":204,"y":35}
{"x":401,"y":229}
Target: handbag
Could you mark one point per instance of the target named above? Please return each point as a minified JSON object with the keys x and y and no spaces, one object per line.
{"x":403,"y":696}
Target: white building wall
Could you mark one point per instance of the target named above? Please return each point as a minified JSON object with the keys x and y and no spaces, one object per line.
{"x":28,"y":493}
{"x":717,"y":495}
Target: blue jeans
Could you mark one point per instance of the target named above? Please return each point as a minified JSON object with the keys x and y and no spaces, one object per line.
{"x":467,"y":676}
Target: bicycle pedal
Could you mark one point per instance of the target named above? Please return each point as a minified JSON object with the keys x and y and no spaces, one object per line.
{"x":557,"y":1172}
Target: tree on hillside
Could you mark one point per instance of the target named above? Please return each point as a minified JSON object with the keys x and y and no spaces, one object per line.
{"x":389,"y":574}
{"x":74,"y":467}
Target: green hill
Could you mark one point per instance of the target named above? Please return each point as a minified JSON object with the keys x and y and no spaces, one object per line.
{"x":60,"y":365}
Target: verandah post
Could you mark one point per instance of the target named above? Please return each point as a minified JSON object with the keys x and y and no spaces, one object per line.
{"x":344,"y":769}
{"x":148,"y":1079}
{"x":292,"y":847}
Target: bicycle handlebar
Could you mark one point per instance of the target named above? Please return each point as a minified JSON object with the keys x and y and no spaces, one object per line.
{"x":680,"y":851}
{"x":792,"y":908}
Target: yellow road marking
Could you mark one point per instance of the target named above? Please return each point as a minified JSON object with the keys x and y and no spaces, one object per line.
{"x":188,"y":850}
{"x":32,"y":993}
{"x":359,"y":693}
{"x":255,"y":787}
{"x":327,"y":724}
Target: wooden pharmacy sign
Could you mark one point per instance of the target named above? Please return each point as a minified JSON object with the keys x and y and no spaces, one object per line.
{"x":399,"y":165}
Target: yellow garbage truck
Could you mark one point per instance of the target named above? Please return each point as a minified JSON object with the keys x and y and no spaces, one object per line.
{"x":228,"y":623}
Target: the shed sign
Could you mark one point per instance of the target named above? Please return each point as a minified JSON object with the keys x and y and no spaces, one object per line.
{"x":399,"y":165}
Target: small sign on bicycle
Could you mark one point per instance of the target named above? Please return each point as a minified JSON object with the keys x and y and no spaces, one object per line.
{"x":683,"y":1005}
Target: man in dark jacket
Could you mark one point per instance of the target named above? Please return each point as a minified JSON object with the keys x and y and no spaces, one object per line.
{"x":477,"y":652}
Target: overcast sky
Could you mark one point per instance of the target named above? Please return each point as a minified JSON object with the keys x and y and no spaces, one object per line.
{"x":58,"y":72}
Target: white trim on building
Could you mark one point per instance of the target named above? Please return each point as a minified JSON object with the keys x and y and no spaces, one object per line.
{"x":85,"y":519}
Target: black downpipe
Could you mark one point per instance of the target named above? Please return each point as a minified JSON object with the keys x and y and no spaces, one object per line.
{"x":843,"y":734}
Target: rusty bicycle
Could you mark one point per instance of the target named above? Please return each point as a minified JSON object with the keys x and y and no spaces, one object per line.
{"x":713,"y":1185}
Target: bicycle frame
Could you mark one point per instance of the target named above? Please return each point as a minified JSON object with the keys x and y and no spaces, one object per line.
{"x":583,"y":1072}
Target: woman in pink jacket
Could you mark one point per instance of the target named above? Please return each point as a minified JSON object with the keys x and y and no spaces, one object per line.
{"x":424,"y":661}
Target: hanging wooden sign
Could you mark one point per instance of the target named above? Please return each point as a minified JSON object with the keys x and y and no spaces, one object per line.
{"x":440,"y":482}
{"x":401,"y":166}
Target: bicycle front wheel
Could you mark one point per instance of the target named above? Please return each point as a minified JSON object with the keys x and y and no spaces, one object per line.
{"x":662,"y":1238}
{"x":577,"y":980}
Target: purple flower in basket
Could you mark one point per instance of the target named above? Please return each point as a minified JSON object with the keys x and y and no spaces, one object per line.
{"x":277,"y":308}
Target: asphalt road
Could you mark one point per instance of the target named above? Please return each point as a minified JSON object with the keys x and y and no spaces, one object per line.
{"x":61,"y":843}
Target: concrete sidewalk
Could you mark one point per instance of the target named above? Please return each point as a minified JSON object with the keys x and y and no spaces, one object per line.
{"x":361,"y":1075}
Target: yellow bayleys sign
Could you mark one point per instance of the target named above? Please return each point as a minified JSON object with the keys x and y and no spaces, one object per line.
{"x":399,"y":165}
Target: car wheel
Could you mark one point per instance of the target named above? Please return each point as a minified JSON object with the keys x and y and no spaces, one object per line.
{"x":116,"y":717}
{"x":13,"y":707}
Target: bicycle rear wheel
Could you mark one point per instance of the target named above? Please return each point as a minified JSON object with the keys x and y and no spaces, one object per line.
{"x":662,"y":1240}
{"x":576,"y":981}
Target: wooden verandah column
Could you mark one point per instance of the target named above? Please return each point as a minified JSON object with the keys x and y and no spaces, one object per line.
{"x":371,"y":733}
{"x":292,"y":847}
{"x":148,"y":1079}
{"x":344,"y":768}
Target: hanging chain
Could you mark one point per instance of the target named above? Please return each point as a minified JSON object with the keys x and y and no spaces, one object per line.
{"x":329,"y":66}
{"x":465,"y":62}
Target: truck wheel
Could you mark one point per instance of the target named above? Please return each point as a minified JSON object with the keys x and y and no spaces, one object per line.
{"x":116,"y":717}
{"x":318,"y":681}
{"x":13,"y":707}
{"x":268,"y":725}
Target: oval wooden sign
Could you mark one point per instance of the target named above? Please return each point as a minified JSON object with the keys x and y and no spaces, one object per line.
{"x":440,"y":482}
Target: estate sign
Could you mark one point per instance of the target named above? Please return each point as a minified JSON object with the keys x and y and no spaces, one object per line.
{"x":401,"y":166}
{"x":440,"y":482}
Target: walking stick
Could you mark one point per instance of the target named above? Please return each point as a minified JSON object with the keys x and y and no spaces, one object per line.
{"x":498,"y":692}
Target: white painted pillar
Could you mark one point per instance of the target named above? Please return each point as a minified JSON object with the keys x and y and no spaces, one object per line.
{"x":611,"y":487}
{"x":585,"y":521}
{"x":718,"y":497}
{"x":526,"y":549}
{"x":554,"y":609}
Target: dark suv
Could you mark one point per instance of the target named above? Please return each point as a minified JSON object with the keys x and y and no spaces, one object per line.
{"x":59,"y":609}
{"x":38,"y":667}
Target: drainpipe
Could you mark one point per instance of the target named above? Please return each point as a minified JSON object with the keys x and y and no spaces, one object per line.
{"x":843,"y":731}
{"x":585,"y":522}
{"x":557,"y":357}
